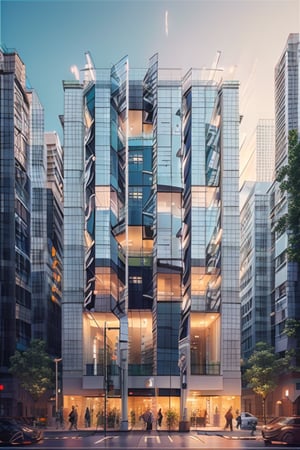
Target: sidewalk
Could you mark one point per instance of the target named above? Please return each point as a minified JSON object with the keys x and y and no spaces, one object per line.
{"x":208,"y":430}
{"x":234,"y":434}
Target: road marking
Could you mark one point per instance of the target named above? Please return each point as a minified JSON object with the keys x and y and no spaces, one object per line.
{"x":170,"y":439}
{"x":197,"y":439}
{"x":104,"y":438}
{"x":152,"y":437}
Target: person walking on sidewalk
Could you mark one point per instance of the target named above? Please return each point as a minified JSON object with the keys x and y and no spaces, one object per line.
{"x":253,"y":428}
{"x":228,"y":418}
{"x":73,"y":417}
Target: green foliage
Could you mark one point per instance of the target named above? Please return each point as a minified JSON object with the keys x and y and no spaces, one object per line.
{"x":292,"y":331}
{"x":33,"y":368}
{"x":172,"y":418}
{"x":263,"y":370}
{"x":264,"y":367}
{"x":291,"y":328}
{"x":289,"y":179}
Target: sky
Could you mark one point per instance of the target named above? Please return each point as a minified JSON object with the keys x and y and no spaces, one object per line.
{"x":52,"y":35}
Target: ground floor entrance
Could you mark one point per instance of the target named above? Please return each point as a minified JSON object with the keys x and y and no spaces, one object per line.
{"x":202,"y":410}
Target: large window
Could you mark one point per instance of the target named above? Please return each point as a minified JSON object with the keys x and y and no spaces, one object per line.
{"x":140,"y":339}
{"x":205,"y":344}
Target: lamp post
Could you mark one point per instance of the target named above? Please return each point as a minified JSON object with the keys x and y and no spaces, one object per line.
{"x":106,"y":328}
{"x":56,"y":360}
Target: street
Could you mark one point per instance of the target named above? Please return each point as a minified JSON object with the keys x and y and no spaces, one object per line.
{"x":147,"y":440}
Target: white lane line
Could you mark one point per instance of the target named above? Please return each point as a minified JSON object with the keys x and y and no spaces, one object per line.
{"x":152,"y":437}
{"x":197,"y":439}
{"x":170,"y":439}
{"x":104,"y":438}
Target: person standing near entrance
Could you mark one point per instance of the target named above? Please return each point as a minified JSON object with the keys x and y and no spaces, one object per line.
{"x":159,"y":418}
{"x":148,"y":419}
{"x":87,"y":418}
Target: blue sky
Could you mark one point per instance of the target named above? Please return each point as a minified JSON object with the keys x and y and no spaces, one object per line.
{"x":51,"y":36}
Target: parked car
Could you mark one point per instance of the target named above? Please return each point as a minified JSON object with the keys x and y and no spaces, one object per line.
{"x":14,"y":432}
{"x":248,"y":421}
{"x":282,"y":429}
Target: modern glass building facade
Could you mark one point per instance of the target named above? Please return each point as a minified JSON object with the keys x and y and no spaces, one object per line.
{"x":256,"y":268}
{"x":286,"y":293}
{"x":30,"y":231}
{"x":286,"y":289}
{"x":15,"y":263}
{"x":54,"y":233}
{"x":257,"y":154}
{"x":151,"y":312}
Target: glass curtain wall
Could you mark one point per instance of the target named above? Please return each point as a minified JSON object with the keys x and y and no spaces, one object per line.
{"x":153,"y":211}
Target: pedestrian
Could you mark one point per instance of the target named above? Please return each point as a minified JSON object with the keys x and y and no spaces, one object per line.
{"x":73,"y":417}
{"x":253,"y":428}
{"x":148,"y":419}
{"x":87,"y":418}
{"x":238,"y":421}
{"x":76,"y":418}
{"x":228,"y":418}
{"x":100,"y":419}
{"x":159,"y":418}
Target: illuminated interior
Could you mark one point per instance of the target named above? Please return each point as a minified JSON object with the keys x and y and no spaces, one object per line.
{"x":205,"y":343}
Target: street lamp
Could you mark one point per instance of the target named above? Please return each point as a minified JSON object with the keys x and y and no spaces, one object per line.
{"x":106,"y":373}
{"x":56,"y":360}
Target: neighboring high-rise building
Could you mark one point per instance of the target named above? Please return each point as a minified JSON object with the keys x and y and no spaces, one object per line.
{"x":55,"y":240}
{"x":255,"y":275}
{"x":286,"y":294}
{"x":15,"y":210}
{"x":257,"y":155}
{"x":54,"y":268}
{"x":151,"y":312}
{"x":286,"y":97}
{"x":30,"y":230}
{"x":256,"y":174}
{"x":287,"y":304}
{"x":46,"y":230}
{"x":39,"y":254}
{"x":265,"y":150}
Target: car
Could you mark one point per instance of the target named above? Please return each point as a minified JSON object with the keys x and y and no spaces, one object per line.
{"x":282,"y":429}
{"x":248,"y":421}
{"x":13,"y":432}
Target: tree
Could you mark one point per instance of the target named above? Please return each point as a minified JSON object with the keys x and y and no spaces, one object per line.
{"x":263,"y":370}
{"x":289,"y":178}
{"x":33,"y":368}
{"x":292,"y":331}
